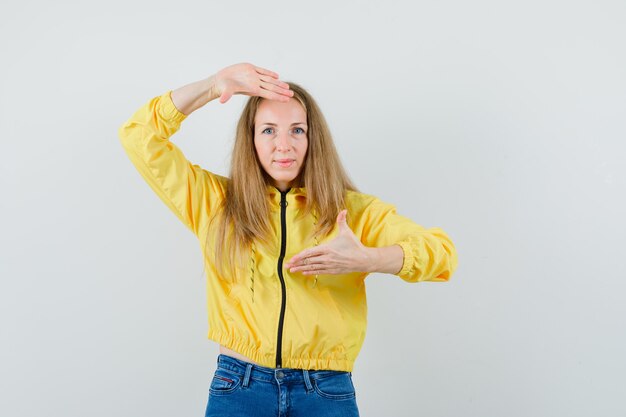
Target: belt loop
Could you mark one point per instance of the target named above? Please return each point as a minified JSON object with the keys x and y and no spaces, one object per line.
{"x":307,"y":380}
{"x":246,"y":378}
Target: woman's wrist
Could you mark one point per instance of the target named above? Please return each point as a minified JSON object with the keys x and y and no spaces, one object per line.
{"x":212,"y":93}
{"x":386,"y":260}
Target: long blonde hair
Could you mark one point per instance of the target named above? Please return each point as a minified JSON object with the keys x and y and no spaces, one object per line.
{"x":246,"y":204}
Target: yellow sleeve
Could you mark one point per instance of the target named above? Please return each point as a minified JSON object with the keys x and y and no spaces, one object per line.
{"x":429,"y":254}
{"x":191,"y":192}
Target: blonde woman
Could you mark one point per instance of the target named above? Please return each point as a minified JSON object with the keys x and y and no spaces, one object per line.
{"x":287,"y":241}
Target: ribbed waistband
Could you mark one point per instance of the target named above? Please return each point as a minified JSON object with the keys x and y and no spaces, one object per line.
{"x":262,"y":373}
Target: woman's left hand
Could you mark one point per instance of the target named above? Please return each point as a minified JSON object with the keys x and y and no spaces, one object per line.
{"x":342,"y":255}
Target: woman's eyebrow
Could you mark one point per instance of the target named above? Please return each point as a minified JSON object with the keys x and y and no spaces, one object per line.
{"x":274,"y":124}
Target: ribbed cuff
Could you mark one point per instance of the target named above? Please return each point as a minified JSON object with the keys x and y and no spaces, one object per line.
{"x":409,"y":259}
{"x":168,"y":110}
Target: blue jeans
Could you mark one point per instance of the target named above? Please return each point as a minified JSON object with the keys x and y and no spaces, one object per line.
{"x":243,"y":389}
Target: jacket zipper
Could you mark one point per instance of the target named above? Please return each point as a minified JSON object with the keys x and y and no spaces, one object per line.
{"x":283,"y":245}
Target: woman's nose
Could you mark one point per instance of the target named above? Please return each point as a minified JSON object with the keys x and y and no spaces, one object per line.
{"x":283,"y":141}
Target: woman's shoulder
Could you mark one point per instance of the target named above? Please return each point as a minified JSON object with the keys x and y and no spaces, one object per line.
{"x":214,"y":179}
{"x":217,"y":177}
{"x":356,"y":200}
{"x":360,"y":203}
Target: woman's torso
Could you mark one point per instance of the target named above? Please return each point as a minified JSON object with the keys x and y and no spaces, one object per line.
{"x":229,"y":352}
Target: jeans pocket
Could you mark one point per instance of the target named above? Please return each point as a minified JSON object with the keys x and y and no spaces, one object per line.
{"x":224,"y":382}
{"x":335,"y":387}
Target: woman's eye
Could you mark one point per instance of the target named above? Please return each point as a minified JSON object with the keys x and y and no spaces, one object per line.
{"x":297,"y":130}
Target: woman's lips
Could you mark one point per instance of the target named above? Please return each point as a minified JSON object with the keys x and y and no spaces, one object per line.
{"x":285,"y":164}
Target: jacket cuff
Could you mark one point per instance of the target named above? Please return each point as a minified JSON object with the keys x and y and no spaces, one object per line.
{"x":168,"y":110}
{"x":409,"y":259}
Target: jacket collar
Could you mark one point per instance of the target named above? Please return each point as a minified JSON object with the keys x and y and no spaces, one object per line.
{"x":294,"y":195}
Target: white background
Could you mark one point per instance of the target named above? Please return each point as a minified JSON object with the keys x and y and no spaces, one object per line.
{"x":500,"y":122}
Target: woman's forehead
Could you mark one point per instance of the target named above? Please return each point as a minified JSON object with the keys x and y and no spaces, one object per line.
{"x":273,"y":112}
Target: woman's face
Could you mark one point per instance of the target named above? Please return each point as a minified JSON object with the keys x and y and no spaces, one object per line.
{"x":280,"y":139}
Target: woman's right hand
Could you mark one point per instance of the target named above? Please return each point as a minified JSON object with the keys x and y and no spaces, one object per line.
{"x":250,"y":80}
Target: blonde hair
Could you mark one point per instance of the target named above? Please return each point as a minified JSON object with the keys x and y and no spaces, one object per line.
{"x":244,"y":216}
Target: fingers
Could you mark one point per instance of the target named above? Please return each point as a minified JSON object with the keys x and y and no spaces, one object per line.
{"x":307,"y":264}
{"x":266,"y":72}
{"x":273,"y":94}
{"x":274,"y":82}
{"x":307,"y":253}
{"x":342,"y":216}
{"x":319,"y":267}
{"x":226,"y":95}
{"x":251,"y":80}
{"x":274,"y":89}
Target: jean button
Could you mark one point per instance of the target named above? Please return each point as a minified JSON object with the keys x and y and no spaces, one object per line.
{"x":280,"y":374}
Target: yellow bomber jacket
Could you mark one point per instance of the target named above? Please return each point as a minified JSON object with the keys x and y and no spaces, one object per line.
{"x":270,"y":315}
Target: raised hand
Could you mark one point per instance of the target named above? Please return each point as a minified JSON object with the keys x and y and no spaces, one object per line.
{"x":342,"y":255}
{"x":250,"y":80}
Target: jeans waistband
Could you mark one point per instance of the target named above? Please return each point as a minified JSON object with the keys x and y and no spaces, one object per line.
{"x":262,"y":373}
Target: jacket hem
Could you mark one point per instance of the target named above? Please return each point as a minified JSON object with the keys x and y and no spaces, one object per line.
{"x":267,"y":360}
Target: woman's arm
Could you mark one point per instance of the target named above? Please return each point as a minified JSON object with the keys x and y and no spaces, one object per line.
{"x":191,"y":97}
{"x":190,"y":191}
{"x":427,"y":254}
{"x":243,"y":78}
{"x":346,"y":254}
{"x":386,"y":260}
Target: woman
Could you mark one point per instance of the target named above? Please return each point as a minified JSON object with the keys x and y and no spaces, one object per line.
{"x":287,"y":242}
